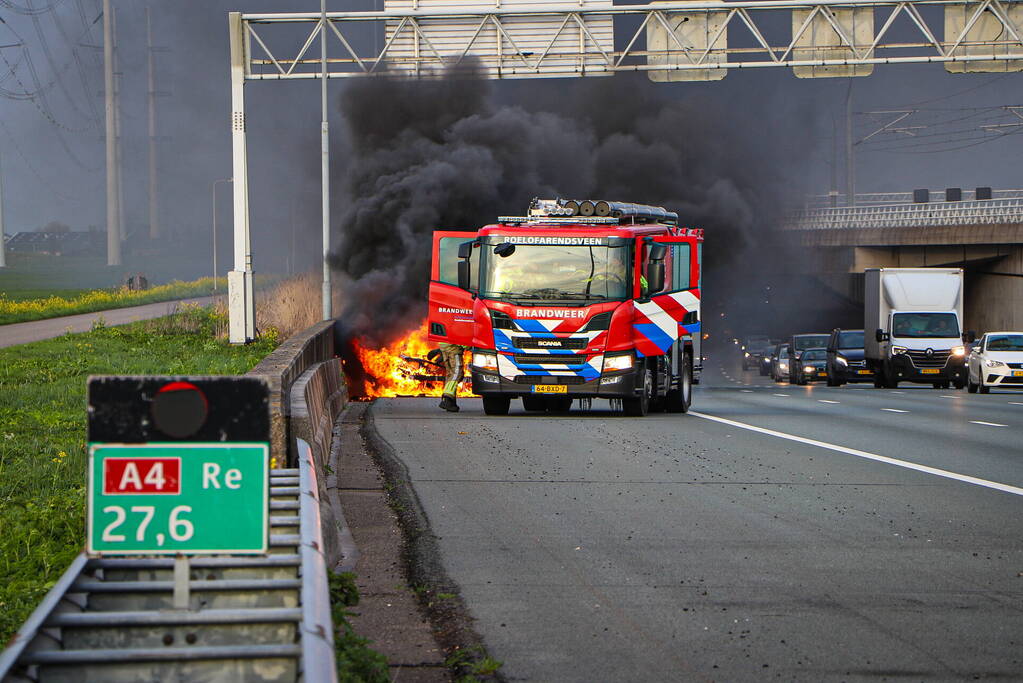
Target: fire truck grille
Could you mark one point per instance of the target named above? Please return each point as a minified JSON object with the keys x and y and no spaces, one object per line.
{"x":557,"y":379}
{"x":533,"y":343}
{"x":538,"y":359}
{"x":922,"y":360}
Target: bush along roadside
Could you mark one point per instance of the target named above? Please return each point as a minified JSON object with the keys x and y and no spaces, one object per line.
{"x":42,"y":435}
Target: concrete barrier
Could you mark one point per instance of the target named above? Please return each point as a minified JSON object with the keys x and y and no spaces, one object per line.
{"x":282,"y":368}
{"x":317,"y":399}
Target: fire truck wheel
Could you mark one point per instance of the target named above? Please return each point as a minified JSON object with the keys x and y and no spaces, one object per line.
{"x":534,"y":404}
{"x":639,"y":406}
{"x":679,"y":400}
{"x":496,"y":405}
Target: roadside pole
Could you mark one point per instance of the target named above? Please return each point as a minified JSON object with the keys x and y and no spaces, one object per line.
{"x":850,"y":159}
{"x":215,"y":183}
{"x":241,"y":303}
{"x":154,"y":218}
{"x":3,"y":245}
{"x":113,"y":218}
{"x":325,"y":163}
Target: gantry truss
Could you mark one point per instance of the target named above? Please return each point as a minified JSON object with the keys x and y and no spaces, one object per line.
{"x":672,"y":40}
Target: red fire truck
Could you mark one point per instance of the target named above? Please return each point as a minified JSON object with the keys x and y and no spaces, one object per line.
{"x":577,"y":300}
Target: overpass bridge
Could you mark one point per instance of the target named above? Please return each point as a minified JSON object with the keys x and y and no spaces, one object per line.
{"x":984,"y":237}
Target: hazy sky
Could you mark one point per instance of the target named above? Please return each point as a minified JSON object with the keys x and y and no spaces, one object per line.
{"x":53,"y":155}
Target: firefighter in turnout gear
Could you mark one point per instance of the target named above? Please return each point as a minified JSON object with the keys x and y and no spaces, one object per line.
{"x":453,"y":358}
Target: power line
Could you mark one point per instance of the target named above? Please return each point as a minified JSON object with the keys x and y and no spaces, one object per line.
{"x":945,"y":136}
{"x":87,"y":88}
{"x":31,"y":11}
{"x":982,"y":141}
{"x":45,"y":46}
{"x":50,"y":187}
{"x":44,"y":108}
{"x":36,"y":96}
{"x":986,"y":83}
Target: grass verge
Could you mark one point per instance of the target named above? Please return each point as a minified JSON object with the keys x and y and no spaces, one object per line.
{"x":54,"y":306}
{"x":42,"y":435}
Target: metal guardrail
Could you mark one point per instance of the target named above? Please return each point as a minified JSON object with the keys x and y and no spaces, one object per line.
{"x":318,"y":663}
{"x":264,"y":618}
{"x":986,"y":212}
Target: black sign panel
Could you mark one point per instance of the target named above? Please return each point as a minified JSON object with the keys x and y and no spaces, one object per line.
{"x":142,"y":409}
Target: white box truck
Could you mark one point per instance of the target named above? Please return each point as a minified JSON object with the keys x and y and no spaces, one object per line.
{"x":913,"y":322}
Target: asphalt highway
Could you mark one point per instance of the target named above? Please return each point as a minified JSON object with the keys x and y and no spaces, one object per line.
{"x":777,"y":532}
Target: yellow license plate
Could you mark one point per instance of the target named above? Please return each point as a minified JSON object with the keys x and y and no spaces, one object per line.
{"x":823,"y":374}
{"x":863,"y":372}
{"x":930,"y":371}
{"x":1017,"y":373}
{"x":550,"y":388}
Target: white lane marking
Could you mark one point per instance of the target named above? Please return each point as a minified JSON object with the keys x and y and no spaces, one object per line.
{"x":894,"y":410}
{"x":1015,"y":490}
{"x":896,"y":392}
{"x":1015,"y":403}
{"x":821,"y":400}
{"x":947,"y":396}
{"x":987,"y":424}
{"x":785,"y":395}
{"x":745,"y":391}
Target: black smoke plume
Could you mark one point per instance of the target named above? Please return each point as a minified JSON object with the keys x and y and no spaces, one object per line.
{"x":443,"y":154}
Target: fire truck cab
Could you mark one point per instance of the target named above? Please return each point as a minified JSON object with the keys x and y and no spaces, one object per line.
{"x":578,"y":299}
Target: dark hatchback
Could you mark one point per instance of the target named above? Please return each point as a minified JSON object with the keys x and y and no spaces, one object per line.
{"x":754,"y":351}
{"x":845,"y":358}
{"x":800,"y":343}
{"x":811,"y":365}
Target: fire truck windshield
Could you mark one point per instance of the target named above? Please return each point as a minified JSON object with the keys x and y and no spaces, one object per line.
{"x":567,"y":272}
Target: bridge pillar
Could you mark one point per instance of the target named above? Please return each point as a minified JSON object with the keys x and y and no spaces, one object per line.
{"x":994,"y":294}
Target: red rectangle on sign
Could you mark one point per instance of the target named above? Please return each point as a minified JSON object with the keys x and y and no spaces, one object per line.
{"x":141,"y":476}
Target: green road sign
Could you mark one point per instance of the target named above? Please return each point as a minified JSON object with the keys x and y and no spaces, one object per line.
{"x":170,"y":498}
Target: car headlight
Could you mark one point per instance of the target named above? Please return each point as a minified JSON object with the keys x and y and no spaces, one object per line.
{"x":809,"y":368}
{"x":745,"y":354}
{"x":484,"y":360}
{"x":899,"y":350}
{"x":841,"y":361}
{"x":959,"y":351}
{"x":619,"y":362}
{"x":783,"y":365}
{"x":992,"y":363}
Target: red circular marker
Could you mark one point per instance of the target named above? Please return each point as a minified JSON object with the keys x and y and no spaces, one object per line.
{"x":179,"y":409}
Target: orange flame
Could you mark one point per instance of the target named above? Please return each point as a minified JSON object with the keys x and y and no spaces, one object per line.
{"x":388,"y":373}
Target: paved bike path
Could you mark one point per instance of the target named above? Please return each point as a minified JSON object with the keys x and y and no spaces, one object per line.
{"x":37,"y":330}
